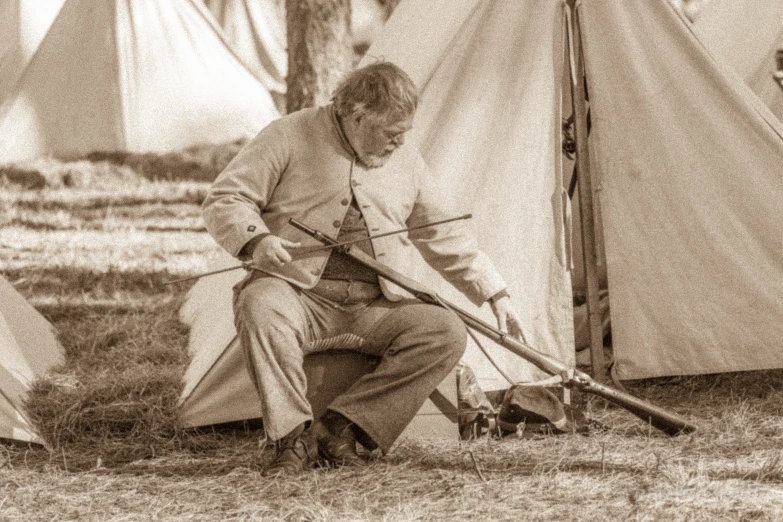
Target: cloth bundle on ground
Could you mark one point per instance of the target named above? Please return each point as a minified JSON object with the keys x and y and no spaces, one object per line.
{"x":524,"y":411}
{"x":528,"y":411}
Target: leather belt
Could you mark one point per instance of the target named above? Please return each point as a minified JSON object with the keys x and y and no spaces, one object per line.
{"x":344,"y":291}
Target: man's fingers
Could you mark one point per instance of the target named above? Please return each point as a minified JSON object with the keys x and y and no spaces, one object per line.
{"x":517,"y":332}
{"x":502,"y":324}
{"x":284,"y":257}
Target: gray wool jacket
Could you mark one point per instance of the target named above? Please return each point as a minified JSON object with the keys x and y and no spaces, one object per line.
{"x":301,"y":166}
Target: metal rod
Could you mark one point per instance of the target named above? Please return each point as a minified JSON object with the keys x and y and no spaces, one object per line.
{"x":244,"y":265}
{"x":301,"y":251}
{"x":296,"y":252}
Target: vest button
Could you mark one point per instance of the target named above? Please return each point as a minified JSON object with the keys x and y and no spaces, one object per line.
{"x":344,"y":202}
{"x":336,"y":223}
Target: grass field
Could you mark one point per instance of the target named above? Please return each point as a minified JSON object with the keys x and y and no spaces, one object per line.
{"x":92,"y":243}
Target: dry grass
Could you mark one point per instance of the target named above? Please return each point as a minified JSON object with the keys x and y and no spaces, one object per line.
{"x":200,"y":162}
{"x":93,"y":259}
{"x":110,"y":169}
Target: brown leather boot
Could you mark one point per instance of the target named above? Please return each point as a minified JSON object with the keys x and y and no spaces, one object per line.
{"x":296,"y":452}
{"x":337,"y":440}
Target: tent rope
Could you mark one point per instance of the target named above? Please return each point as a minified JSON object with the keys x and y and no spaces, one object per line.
{"x":546,"y":382}
{"x":489,"y":357}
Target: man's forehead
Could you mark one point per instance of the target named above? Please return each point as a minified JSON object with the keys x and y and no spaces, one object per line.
{"x":401,"y":124}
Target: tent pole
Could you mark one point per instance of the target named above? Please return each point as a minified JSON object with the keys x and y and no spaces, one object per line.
{"x":585,"y":195}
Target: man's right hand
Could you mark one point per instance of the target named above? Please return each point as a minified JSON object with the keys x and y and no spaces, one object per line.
{"x":271,"y":252}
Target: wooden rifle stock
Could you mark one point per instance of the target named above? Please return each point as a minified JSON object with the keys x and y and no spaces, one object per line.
{"x":668,"y":422}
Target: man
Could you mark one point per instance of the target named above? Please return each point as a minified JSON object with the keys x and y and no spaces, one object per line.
{"x":343,"y":169}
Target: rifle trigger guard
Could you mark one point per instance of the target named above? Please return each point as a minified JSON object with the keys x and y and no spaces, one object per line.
{"x":567,"y":376}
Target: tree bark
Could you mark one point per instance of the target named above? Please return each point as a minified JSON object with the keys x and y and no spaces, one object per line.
{"x":319,"y":50}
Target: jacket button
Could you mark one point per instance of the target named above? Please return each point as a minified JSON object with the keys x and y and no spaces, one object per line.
{"x":345,"y":201}
{"x":355,"y":183}
{"x":336,"y":223}
{"x":315,"y":271}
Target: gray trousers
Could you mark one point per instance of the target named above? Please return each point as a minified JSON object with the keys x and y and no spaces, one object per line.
{"x":418,"y":345}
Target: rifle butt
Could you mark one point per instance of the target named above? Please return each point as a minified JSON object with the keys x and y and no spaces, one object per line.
{"x":666,"y":421}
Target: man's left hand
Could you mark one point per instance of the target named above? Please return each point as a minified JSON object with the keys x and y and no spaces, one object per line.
{"x":508,"y":318}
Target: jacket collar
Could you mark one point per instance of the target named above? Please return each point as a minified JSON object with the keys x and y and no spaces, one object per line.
{"x":338,"y":127}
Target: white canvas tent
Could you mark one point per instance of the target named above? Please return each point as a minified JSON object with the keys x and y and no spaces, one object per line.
{"x":690,"y":8}
{"x":686,"y":165}
{"x":23,"y":24}
{"x":216,"y":384}
{"x":747,"y":34}
{"x":28,"y":348}
{"x":489,"y":123}
{"x":135,"y":75}
{"x":367,"y":20}
{"x":256,"y":31}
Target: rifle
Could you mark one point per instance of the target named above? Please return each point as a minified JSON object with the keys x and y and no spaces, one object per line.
{"x":666,"y":421}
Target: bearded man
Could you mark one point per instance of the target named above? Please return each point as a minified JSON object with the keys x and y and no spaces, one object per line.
{"x":344,"y":169}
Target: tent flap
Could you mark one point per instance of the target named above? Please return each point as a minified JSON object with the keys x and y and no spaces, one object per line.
{"x":489,"y":127}
{"x":28,"y":349}
{"x":746,"y":34}
{"x":688,"y":168}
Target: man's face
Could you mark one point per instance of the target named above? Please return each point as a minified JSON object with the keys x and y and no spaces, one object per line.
{"x":377,"y":140}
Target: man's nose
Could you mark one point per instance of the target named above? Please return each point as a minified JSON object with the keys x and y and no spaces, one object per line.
{"x":399,"y":140}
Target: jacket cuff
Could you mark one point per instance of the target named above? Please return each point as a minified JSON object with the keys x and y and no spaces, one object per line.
{"x":246,"y":252}
{"x":499,"y":295}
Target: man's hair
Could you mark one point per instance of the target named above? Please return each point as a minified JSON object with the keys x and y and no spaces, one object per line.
{"x":381,"y":91}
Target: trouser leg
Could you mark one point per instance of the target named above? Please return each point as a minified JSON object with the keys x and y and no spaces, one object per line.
{"x":272,"y":326}
{"x":419,"y":344}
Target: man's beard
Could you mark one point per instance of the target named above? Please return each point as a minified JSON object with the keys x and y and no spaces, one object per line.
{"x":372,"y":161}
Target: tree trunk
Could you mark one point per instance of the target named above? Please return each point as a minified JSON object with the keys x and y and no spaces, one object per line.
{"x":319,"y":50}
